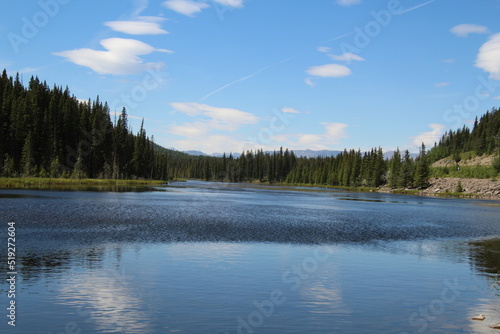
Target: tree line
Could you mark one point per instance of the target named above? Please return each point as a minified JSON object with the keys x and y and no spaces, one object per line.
{"x":48,"y":132}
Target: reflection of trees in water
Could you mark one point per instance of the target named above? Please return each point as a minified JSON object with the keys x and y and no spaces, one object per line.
{"x":485,"y":257}
{"x":45,"y":263}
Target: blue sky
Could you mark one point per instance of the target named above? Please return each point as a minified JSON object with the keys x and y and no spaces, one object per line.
{"x":232,"y":75}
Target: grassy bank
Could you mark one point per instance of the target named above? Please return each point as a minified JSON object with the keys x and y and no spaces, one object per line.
{"x":476,"y":172}
{"x":39,"y":182}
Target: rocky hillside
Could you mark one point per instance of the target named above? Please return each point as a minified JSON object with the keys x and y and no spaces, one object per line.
{"x":484,"y":160}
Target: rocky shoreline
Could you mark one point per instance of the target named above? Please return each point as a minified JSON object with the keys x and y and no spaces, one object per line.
{"x":488,"y":189}
{"x":474,"y":188}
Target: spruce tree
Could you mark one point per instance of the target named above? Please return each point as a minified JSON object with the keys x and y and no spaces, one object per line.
{"x":405,"y":176}
{"x":395,"y":169}
{"x":422,"y":169}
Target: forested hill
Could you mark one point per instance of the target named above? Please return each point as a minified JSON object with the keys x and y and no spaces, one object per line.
{"x":484,"y":138}
{"x":48,"y":132}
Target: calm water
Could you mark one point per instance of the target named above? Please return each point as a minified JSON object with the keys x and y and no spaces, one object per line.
{"x":207,"y":258}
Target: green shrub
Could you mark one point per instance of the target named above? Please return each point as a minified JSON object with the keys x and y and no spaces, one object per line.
{"x":496,"y":164}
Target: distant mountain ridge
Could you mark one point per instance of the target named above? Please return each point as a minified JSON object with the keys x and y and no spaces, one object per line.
{"x":298,"y":153}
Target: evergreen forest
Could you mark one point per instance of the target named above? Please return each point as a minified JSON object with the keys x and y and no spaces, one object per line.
{"x":47,"y":132}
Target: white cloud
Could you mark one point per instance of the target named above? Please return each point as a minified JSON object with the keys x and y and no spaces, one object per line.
{"x":496,"y":97}
{"x":211,"y":143}
{"x":310,"y":140}
{"x":347,"y":57}
{"x":329,"y":70}
{"x":146,"y":26}
{"x":121,"y":56}
{"x":430,"y":137}
{"x":214,"y":118}
{"x":188,"y":108}
{"x":442,"y":84}
{"x":332,"y":135}
{"x":448,"y":61}
{"x":185,"y":7}
{"x":190,"y":130}
{"x":463,"y":30}
{"x":335,"y":131}
{"x":488,"y":57}
{"x":290,"y":110}
{"x":348,"y":2}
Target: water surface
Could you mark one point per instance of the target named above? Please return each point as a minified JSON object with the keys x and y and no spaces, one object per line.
{"x":207,"y":258}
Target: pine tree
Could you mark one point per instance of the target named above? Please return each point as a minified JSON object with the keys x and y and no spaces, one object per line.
{"x":8,"y":169}
{"x":395,"y":169}
{"x":79,"y":169}
{"x":27,"y":160}
{"x":405,"y":176}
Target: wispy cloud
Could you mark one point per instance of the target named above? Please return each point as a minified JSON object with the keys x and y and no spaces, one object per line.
{"x":488,"y":57}
{"x":215,"y":118}
{"x":448,"y":61}
{"x":121,"y":56}
{"x":347,"y":57}
{"x":442,"y":84}
{"x":246,"y":77}
{"x":230,"y":3}
{"x":139,"y":7}
{"x":464,"y":30}
{"x":348,"y":2}
{"x":404,"y":11}
{"x":309,"y":82}
{"x":324,"y":49}
{"x":340,"y":37}
{"x":116,"y":113}
{"x":190,"y":7}
{"x":26,"y":70}
{"x":185,"y":7}
{"x":289,"y":110}
{"x":144,"y":25}
{"x":329,"y":71}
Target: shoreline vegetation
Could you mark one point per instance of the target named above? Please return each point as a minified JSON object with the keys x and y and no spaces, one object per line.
{"x":67,"y":183}
{"x":448,"y":187}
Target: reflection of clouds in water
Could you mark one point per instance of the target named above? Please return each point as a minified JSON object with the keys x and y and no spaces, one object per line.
{"x":449,"y":250}
{"x":207,"y":253}
{"x":490,"y":308}
{"x":324,"y":296}
{"x":108,"y":300}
